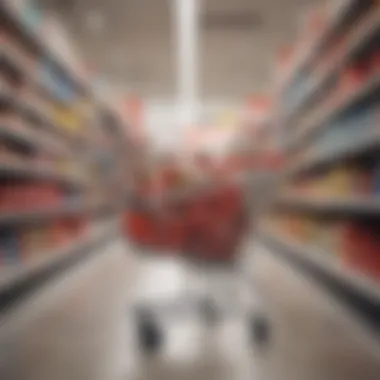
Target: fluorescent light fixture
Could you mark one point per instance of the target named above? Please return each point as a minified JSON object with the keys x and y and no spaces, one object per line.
{"x":186,"y":32}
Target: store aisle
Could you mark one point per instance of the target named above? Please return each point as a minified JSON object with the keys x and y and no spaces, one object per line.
{"x":79,"y":328}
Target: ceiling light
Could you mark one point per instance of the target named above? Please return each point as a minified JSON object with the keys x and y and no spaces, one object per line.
{"x":186,"y":23}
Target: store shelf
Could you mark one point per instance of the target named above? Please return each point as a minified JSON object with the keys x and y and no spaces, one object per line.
{"x":344,"y":11}
{"x":28,"y":108}
{"x":357,"y":291}
{"x":362,"y":36}
{"x":8,"y":10}
{"x":14,"y":62}
{"x":42,"y":213}
{"x":38,"y":78}
{"x":362,"y":145}
{"x":17,"y":283}
{"x":27,"y":171}
{"x":369,"y":90}
{"x":19,"y":134}
{"x":47,"y":213}
{"x":348,"y":206}
{"x":32,"y":139}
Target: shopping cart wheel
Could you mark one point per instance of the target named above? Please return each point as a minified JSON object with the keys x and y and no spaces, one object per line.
{"x":259,"y":330}
{"x":150,"y":334}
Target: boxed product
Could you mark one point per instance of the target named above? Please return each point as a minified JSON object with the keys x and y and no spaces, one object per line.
{"x":361,"y":248}
{"x":29,"y":196}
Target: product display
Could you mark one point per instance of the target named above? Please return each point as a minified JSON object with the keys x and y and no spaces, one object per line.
{"x":336,"y":58}
{"x":353,"y":245}
{"x":327,"y":209}
{"x":341,"y":181}
{"x":51,"y":186}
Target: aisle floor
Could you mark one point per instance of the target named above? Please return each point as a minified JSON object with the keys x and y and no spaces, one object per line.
{"x":78,"y":329}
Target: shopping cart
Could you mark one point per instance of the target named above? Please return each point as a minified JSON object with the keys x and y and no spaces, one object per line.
{"x":203,"y":225}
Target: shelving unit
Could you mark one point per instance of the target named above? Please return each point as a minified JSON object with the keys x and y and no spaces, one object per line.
{"x":356,"y":206}
{"x":70,"y":209}
{"x":347,"y":12}
{"x":368,"y":90}
{"x":325,"y":218}
{"x":20,"y":170}
{"x":354,"y":289}
{"x":368,"y":142}
{"x":339,"y":16}
{"x":10,"y":12}
{"x":62,"y":152}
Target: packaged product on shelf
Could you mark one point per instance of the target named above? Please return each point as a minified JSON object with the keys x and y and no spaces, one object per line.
{"x":362,"y":248}
{"x":324,"y":185}
{"x":340,"y":181}
{"x":295,"y":227}
{"x":59,"y":235}
{"x":35,"y":242}
{"x":10,"y":253}
{"x":67,"y":119}
{"x":353,"y":77}
{"x":10,"y":197}
{"x":16,"y":197}
{"x":67,"y":231}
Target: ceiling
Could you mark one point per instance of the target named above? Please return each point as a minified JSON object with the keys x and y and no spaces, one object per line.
{"x":131,"y":42}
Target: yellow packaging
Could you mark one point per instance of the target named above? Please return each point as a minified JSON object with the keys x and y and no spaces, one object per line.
{"x":340,"y":181}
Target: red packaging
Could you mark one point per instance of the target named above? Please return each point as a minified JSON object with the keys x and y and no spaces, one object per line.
{"x":361,"y":246}
{"x":352,"y":78}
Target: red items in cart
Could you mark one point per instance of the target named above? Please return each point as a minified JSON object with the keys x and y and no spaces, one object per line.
{"x":206,"y":225}
{"x":140,"y":227}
